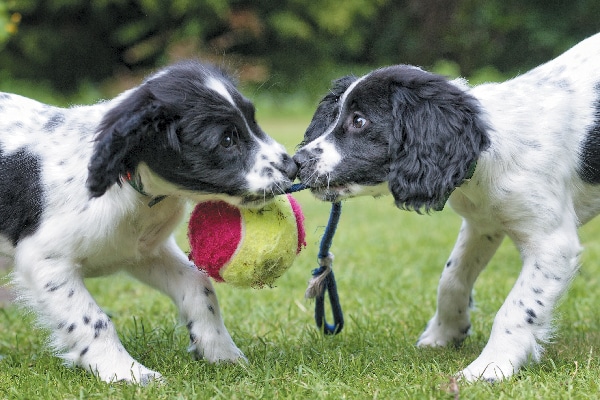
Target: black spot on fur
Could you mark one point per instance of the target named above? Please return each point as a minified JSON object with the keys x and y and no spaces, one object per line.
{"x":99,"y":326}
{"x":86,"y":319}
{"x":211,"y":309}
{"x":71,"y":328}
{"x":466,"y":329}
{"x":83,"y":352}
{"x":21,"y":197}
{"x":531,"y":316}
{"x":53,"y":287}
{"x":207,"y":292}
{"x":54,"y":122}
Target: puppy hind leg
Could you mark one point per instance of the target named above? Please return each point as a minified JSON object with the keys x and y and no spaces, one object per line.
{"x":524,"y":321}
{"x":473,"y":250}
{"x":80,"y":331}
{"x":193,"y":294}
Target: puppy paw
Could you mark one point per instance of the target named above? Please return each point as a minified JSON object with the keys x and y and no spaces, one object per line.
{"x":216,"y":349}
{"x":439,"y":335}
{"x":487,"y":371}
{"x":134,"y":373}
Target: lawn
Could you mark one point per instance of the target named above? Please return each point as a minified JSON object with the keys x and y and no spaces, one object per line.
{"x":387,"y":266}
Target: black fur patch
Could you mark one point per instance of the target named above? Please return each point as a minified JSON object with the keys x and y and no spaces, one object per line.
{"x":21,"y":194}
{"x":187,"y":133}
{"x":589,"y":159}
{"x":399,"y":124}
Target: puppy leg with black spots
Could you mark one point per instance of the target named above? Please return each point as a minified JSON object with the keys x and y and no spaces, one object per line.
{"x":524,"y":322}
{"x":451,"y":323}
{"x":81,"y":332}
{"x":194,"y":296}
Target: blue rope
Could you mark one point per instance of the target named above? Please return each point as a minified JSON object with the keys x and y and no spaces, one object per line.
{"x":323,"y":279}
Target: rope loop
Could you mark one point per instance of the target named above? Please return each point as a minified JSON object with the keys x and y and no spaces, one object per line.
{"x":323,"y":279}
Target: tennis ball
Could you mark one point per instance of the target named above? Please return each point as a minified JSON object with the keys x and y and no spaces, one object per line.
{"x":246,"y":247}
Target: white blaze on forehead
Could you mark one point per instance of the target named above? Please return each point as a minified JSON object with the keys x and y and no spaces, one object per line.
{"x":341,"y":103}
{"x":216,"y":85}
{"x":347,"y":92}
{"x":329,"y":156}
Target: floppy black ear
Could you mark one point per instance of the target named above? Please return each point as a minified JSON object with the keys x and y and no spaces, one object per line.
{"x":438,"y":134}
{"x":138,"y":119}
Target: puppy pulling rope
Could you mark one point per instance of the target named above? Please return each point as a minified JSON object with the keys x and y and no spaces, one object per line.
{"x":322,"y":278}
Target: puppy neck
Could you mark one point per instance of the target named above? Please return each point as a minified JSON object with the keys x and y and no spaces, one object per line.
{"x":135,"y":181}
{"x":467,"y":178}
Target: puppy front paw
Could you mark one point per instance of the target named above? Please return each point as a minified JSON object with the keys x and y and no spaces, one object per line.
{"x":215,"y":348}
{"x":133,"y":373}
{"x":438,"y":334}
{"x":490,"y":372}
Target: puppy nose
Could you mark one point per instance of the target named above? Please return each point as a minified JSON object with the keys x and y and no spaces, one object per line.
{"x":289,"y":167}
{"x":300,"y":158}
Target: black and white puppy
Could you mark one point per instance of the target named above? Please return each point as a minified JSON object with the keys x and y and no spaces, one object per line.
{"x":518,"y":159}
{"x":90,"y":190}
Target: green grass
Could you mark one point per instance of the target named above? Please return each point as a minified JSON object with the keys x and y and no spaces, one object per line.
{"x":387,"y":266}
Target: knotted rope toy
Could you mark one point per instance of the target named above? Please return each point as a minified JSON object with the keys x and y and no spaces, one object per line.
{"x":252,"y":248}
{"x":323,"y":279}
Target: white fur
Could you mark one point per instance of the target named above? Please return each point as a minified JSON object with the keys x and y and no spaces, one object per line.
{"x":218,"y":87}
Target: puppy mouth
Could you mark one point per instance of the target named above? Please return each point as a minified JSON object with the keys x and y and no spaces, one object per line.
{"x":338,"y":192}
{"x":256,"y":201}
{"x":331,"y":193}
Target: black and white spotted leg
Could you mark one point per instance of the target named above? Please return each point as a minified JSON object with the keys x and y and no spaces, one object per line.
{"x":193,"y":294}
{"x":80,"y":331}
{"x":523,"y":323}
{"x":472,"y":251}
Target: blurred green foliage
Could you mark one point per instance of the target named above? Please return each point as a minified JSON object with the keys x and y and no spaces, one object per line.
{"x":285,"y":46}
{"x":9,"y":23}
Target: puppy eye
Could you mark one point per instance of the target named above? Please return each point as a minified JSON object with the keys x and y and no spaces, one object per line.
{"x":359,"y":122}
{"x":230,"y":138}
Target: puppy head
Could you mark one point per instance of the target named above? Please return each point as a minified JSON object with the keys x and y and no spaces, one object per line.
{"x":188,"y":131}
{"x":398,"y":128}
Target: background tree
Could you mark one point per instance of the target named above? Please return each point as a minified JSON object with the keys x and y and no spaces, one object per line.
{"x":288,"y":46}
